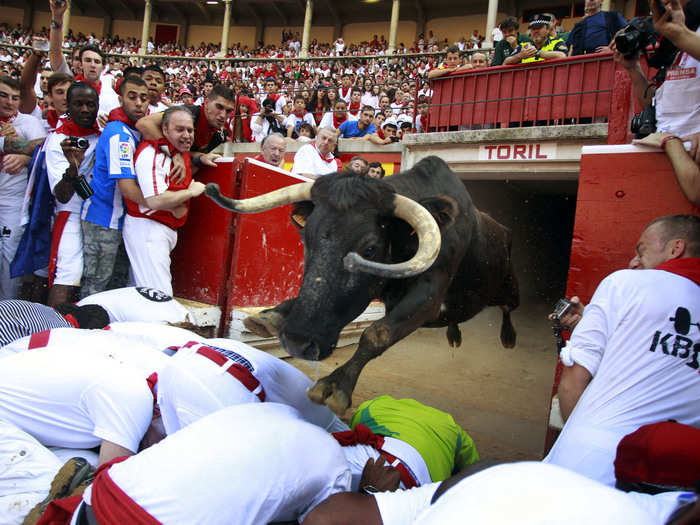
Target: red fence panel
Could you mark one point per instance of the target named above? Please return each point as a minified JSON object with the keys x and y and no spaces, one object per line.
{"x":569,"y":90}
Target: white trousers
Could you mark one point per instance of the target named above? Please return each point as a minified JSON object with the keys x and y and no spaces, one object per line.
{"x":148,"y":244}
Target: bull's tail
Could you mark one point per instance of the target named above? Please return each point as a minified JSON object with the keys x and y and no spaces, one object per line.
{"x":507,"y":331}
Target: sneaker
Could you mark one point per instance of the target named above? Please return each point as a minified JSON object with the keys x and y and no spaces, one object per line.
{"x":76,"y":474}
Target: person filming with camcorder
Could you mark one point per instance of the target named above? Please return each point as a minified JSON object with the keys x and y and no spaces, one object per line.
{"x":670,"y":119}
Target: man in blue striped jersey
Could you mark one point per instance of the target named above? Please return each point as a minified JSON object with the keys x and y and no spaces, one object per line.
{"x":105,"y":262}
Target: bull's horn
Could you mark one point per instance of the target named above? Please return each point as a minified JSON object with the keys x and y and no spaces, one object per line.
{"x":429,"y":241}
{"x":294,"y":193}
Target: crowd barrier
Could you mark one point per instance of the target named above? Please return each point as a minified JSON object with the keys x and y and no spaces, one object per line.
{"x":574,"y":90}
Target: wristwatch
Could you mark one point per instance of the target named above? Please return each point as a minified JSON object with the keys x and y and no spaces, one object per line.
{"x":369,"y":489}
{"x":56,"y":25}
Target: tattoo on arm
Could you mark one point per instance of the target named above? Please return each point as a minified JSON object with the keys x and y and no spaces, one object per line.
{"x":21,"y":146}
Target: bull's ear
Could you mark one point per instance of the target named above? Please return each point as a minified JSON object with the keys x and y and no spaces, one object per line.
{"x":443,"y":208}
{"x":300,"y":213}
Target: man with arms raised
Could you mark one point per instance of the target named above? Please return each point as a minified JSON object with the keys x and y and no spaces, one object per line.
{"x":150,"y":231}
{"x":633,"y":358}
{"x":90,"y":58}
{"x":113,"y":176}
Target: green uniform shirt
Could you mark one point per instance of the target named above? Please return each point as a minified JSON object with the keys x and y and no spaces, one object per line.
{"x":442,"y":444}
{"x":502,"y":49}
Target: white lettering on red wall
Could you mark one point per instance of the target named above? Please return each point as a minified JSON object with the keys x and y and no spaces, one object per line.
{"x":518,"y":152}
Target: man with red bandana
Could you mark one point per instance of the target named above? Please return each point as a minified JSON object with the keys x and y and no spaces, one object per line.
{"x":67,"y":163}
{"x":317,"y":158}
{"x":150,"y":231}
{"x":13,"y":180}
{"x":105,"y":262}
{"x":210,"y":123}
{"x":634,"y":357}
{"x":91,"y":61}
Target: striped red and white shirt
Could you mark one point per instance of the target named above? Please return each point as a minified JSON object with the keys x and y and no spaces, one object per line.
{"x":153,"y":167}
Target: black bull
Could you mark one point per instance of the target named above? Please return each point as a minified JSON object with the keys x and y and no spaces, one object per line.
{"x":347,"y":213}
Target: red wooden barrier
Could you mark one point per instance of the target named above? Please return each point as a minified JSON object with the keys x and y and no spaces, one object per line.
{"x":561,"y":90}
{"x":621,"y":189}
{"x":228,"y":259}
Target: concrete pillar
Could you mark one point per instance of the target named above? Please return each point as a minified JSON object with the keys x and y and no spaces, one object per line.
{"x":259,"y":32}
{"x":393,"y":28}
{"x":146,"y":29}
{"x":337,"y":31}
{"x":106,"y":26}
{"x":183,"y":34}
{"x":66,"y":19}
{"x":28,"y":18}
{"x":491,"y":19}
{"x":226,"y":28}
{"x":306,"y":35}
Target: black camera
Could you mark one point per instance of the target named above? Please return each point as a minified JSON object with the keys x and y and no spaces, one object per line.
{"x":644,"y":122}
{"x":395,"y":139}
{"x":81,"y":186}
{"x":560,"y":309}
{"x":79,"y":142}
{"x":268,"y":110}
{"x":636,"y":36}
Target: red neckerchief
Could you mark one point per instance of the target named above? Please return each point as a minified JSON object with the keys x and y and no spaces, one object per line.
{"x":354,"y":108}
{"x":70,"y":128}
{"x":380,"y":133}
{"x":161,"y":145}
{"x":274,"y":96}
{"x":204,"y":132}
{"x":324,"y":159}
{"x":361,"y":435}
{"x":688,"y":267}
{"x":81,"y":78}
{"x":8,"y":119}
{"x":337,"y":122}
{"x":424,"y":122}
{"x":120,"y":115}
{"x":52,"y":118}
{"x":347,"y":92}
{"x":299,"y":114}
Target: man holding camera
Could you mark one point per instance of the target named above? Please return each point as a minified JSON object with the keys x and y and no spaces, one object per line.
{"x":267,"y":121}
{"x":70,"y":153}
{"x":633,"y":359}
{"x":677,"y":101}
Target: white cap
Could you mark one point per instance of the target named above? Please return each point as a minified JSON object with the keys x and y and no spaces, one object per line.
{"x":390,"y":121}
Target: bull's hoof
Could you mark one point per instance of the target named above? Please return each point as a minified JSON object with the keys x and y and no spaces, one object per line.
{"x":507,"y":335}
{"x":267,"y":323}
{"x":454,"y":335}
{"x":326,"y":392}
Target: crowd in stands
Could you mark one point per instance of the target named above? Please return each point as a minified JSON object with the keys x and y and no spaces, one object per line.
{"x":395,"y":86}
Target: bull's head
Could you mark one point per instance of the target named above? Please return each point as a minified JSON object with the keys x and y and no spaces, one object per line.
{"x":344,"y":222}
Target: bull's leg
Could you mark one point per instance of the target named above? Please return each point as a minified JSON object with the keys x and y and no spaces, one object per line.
{"x":420,"y":304}
{"x":507,"y":331}
{"x":268,"y":323}
{"x":454,"y":335}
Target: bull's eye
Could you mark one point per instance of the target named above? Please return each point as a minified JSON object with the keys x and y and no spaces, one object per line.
{"x":369,"y":252}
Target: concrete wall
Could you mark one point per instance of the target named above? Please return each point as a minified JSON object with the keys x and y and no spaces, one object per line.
{"x":354,"y":33}
{"x":273,"y":34}
{"x":11,"y":16}
{"x":453,"y":28}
